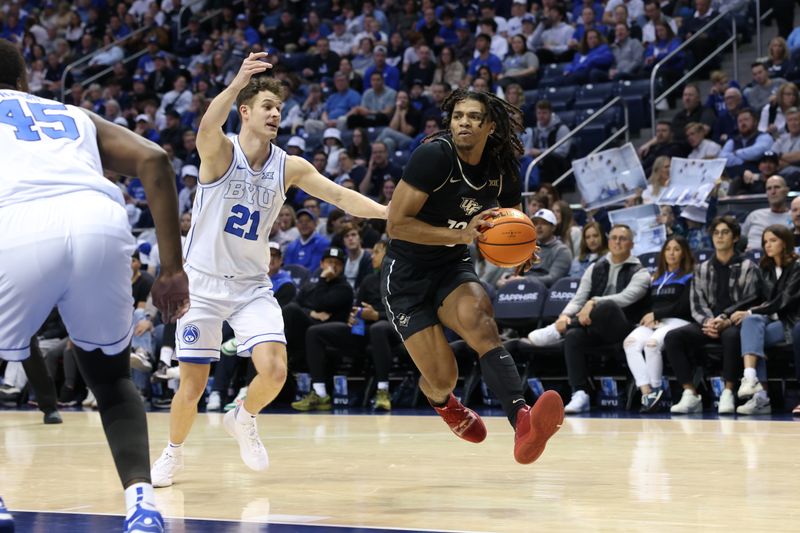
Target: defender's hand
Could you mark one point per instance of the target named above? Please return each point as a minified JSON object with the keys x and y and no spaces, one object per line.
{"x":251,"y":66}
{"x":527,"y":265}
{"x":170,"y":294}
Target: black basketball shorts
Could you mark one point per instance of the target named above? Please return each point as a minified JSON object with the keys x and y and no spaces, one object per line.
{"x":412,"y":294}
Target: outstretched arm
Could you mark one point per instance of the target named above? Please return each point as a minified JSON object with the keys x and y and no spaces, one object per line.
{"x":214,"y":147}
{"x":302,"y":174}
{"x":124,"y":152}
{"x":407,"y":200}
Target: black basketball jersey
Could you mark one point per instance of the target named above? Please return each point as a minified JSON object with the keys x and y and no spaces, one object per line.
{"x":456,"y":192}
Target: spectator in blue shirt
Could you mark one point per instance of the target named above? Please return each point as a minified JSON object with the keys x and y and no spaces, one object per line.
{"x":250,"y":33}
{"x":308,"y":249}
{"x":482,"y":44}
{"x":339,"y":103}
{"x":588,"y":22}
{"x":594,"y":54}
{"x":744,"y":151}
{"x":391,"y":75}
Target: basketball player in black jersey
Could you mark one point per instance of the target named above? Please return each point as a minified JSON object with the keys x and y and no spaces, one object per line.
{"x":451,"y":184}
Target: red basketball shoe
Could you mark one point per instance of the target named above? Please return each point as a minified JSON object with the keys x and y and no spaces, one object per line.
{"x":535,"y":425}
{"x":464,"y":422}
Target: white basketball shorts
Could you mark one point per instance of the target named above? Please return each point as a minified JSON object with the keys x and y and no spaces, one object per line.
{"x":248,"y":306}
{"x":71,"y":251}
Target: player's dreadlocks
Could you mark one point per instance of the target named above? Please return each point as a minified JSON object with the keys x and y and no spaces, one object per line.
{"x":503,"y":146}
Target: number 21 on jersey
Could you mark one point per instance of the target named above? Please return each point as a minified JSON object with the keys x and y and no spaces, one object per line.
{"x":241,"y":217}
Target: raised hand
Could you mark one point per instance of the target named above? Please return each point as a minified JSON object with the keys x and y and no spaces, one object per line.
{"x":251,"y":66}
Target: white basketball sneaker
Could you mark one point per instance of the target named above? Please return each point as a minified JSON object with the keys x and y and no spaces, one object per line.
{"x":251,"y":449}
{"x":166,"y":466}
{"x":546,"y":336}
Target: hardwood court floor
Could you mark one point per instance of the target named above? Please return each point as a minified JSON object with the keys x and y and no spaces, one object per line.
{"x":410,"y":472}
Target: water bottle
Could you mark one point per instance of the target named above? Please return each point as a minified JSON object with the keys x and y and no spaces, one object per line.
{"x":358,"y":327}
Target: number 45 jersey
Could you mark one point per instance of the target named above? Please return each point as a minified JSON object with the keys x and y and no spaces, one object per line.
{"x":232,"y":218}
{"x":47,"y":149}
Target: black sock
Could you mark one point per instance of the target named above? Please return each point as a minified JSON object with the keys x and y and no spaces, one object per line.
{"x":500,"y":374}
{"x":121,"y":411}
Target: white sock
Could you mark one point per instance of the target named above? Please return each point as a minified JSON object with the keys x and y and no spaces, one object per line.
{"x":175,"y":449}
{"x":320,"y":389}
{"x":140,"y":493}
{"x":243,"y":416}
{"x":165,"y":356}
{"x":750,"y":374}
{"x":383,"y":385}
{"x":762,"y":394}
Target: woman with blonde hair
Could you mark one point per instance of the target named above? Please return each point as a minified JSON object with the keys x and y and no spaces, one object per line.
{"x":658,"y":181}
{"x":773,"y":115}
{"x":779,"y":64}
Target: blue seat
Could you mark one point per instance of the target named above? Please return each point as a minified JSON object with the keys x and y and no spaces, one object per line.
{"x":299,"y":273}
{"x":592,"y":136}
{"x":295,"y":61}
{"x":550,"y":72}
{"x":636,"y":95}
{"x":558,"y":296}
{"x":595,"y":95}
{"x":754,"y":255}
{"x":568,"y":117}
{"x":650,"y":261}
{"x":531,"y":96}
{"x":519,"y":303}
{"x":561,"y":98}
{"x":703,"y":254}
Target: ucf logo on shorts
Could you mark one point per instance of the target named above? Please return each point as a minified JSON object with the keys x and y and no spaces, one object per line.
{"x":403,"y":320}
{"x":470,"y":206}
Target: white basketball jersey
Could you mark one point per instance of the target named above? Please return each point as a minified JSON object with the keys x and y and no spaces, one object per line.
{"x":47,"y":149}
{"x":232,"y":218}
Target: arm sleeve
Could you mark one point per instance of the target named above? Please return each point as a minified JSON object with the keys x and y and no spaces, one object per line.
{"x":784,"y":298}
{"x":581,"y":295}
{"x":701,"y":310}
{"x":511,"y":195}
{"x":752,"y":153}
{"x":429,"y":166}
{"x":557,"y":270}
{"x":635,"y":291}
{"x":562,"y":132}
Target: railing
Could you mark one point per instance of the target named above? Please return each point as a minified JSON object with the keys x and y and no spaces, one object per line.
{"x":591,"y":118}
{"x":85,"y":59}
{"x":135,"y":55}
{"x":654,"y":100}
{"x":759,"y":19}
{"x":183,"y":10}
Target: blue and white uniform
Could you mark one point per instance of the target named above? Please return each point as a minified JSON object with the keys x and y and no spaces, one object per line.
{"x":227,"y":258}
{"x":64,"y":235}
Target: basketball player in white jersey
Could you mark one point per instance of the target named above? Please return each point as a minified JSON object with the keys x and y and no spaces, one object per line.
{"x":243,"y":184}
{"x":65,"y":241}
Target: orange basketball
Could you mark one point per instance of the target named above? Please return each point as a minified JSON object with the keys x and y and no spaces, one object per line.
{"x":511,"y":241}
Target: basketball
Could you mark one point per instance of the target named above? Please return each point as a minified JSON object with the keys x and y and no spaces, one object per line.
{"x":511,"y":241}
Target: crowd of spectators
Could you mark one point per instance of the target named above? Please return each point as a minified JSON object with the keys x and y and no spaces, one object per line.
{"x":364,"y":85}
